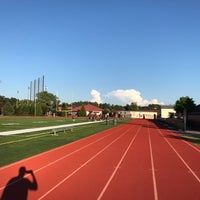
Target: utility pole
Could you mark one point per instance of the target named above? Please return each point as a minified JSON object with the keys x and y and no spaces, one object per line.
{"x":17,"y":103}
{"x":35,"y":113}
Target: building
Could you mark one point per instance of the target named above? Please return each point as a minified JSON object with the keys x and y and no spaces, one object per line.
{"x":167,"y":111}
{"x":144,"y":114}
{"x":139,"y":114}
{"x":90,"y":109}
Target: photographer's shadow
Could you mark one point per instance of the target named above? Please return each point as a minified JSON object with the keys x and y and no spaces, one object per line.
{"x":18,"y":187}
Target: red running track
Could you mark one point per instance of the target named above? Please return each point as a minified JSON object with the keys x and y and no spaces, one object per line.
{"x":137,"y":160}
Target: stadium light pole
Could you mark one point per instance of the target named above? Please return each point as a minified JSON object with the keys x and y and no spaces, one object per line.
{"x":28,"y":94}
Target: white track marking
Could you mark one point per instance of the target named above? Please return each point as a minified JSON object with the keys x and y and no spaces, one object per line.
{"x":30,"y":130}
{"x":118,"y":165}
{"x":197,"y":149}
{"x":184,"y":162}
{"x":191,"y":145}
{"x":84,"y":164}
{"x":153,"y":169}
{"x":46,"y":152}
{"x":73,"y":152}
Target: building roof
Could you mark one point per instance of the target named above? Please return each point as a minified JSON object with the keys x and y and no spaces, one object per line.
{"x":88,"y":108}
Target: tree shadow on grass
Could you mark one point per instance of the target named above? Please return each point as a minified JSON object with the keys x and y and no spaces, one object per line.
{"x":18,"y":187}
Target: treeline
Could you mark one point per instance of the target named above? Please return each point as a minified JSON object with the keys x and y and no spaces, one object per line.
{"x":48,"y":103}
{"x":111,"y":107}
{"x":44,"y":102}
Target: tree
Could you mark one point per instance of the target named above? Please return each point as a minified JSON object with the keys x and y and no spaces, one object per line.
{"x":132,"y":107}
{"x":47,"y":101}
{"x":64,"y":107}
{"x":184,"y":103}
{"x":105,"y":111}
{"x":82,"y":112}
{"x":154,"y":107}
{"x":8,"y":109}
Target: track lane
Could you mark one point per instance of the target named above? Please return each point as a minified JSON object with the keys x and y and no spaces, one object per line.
{"x":87,"y":180}
{"x":174,"y":180}
{"x":134,"y":180}
{"x":44,"y":160}
{"x":189,"y":153}
{"x":137,"y":167}
{"x":117,"y":168}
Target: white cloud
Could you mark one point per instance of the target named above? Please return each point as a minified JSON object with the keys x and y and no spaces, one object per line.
{"x":96,"y":96}
{"x":129,"y":96}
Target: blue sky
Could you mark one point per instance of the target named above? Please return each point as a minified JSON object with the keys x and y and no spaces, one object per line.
{"x":110,"y":51}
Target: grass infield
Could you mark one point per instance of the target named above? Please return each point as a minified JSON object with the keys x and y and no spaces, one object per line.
{"x":17,"y":123}
{"x":17,"y":147}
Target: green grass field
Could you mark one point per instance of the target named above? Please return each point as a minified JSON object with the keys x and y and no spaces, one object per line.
{"x":16,"y":147}
{"x":16,"y":123}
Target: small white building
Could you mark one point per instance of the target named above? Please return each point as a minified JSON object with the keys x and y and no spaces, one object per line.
{"x":139,"y":114}
{"x":144,"y":114}
{"x":167,"y":111}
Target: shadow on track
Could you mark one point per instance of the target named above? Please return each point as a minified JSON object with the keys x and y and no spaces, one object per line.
{"x":18,"y":187}
{"x":186,"y":137}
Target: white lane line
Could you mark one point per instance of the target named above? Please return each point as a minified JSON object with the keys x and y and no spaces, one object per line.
{"x":184,"y":162}
{"x":63,"y":157}
{"x":52,"y":150}
{"x":153,"y":169}
{"x":195,"y":147}
{"x":118,"y":165}
{"x":84,"y":164}
{"x":191,"y":145}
